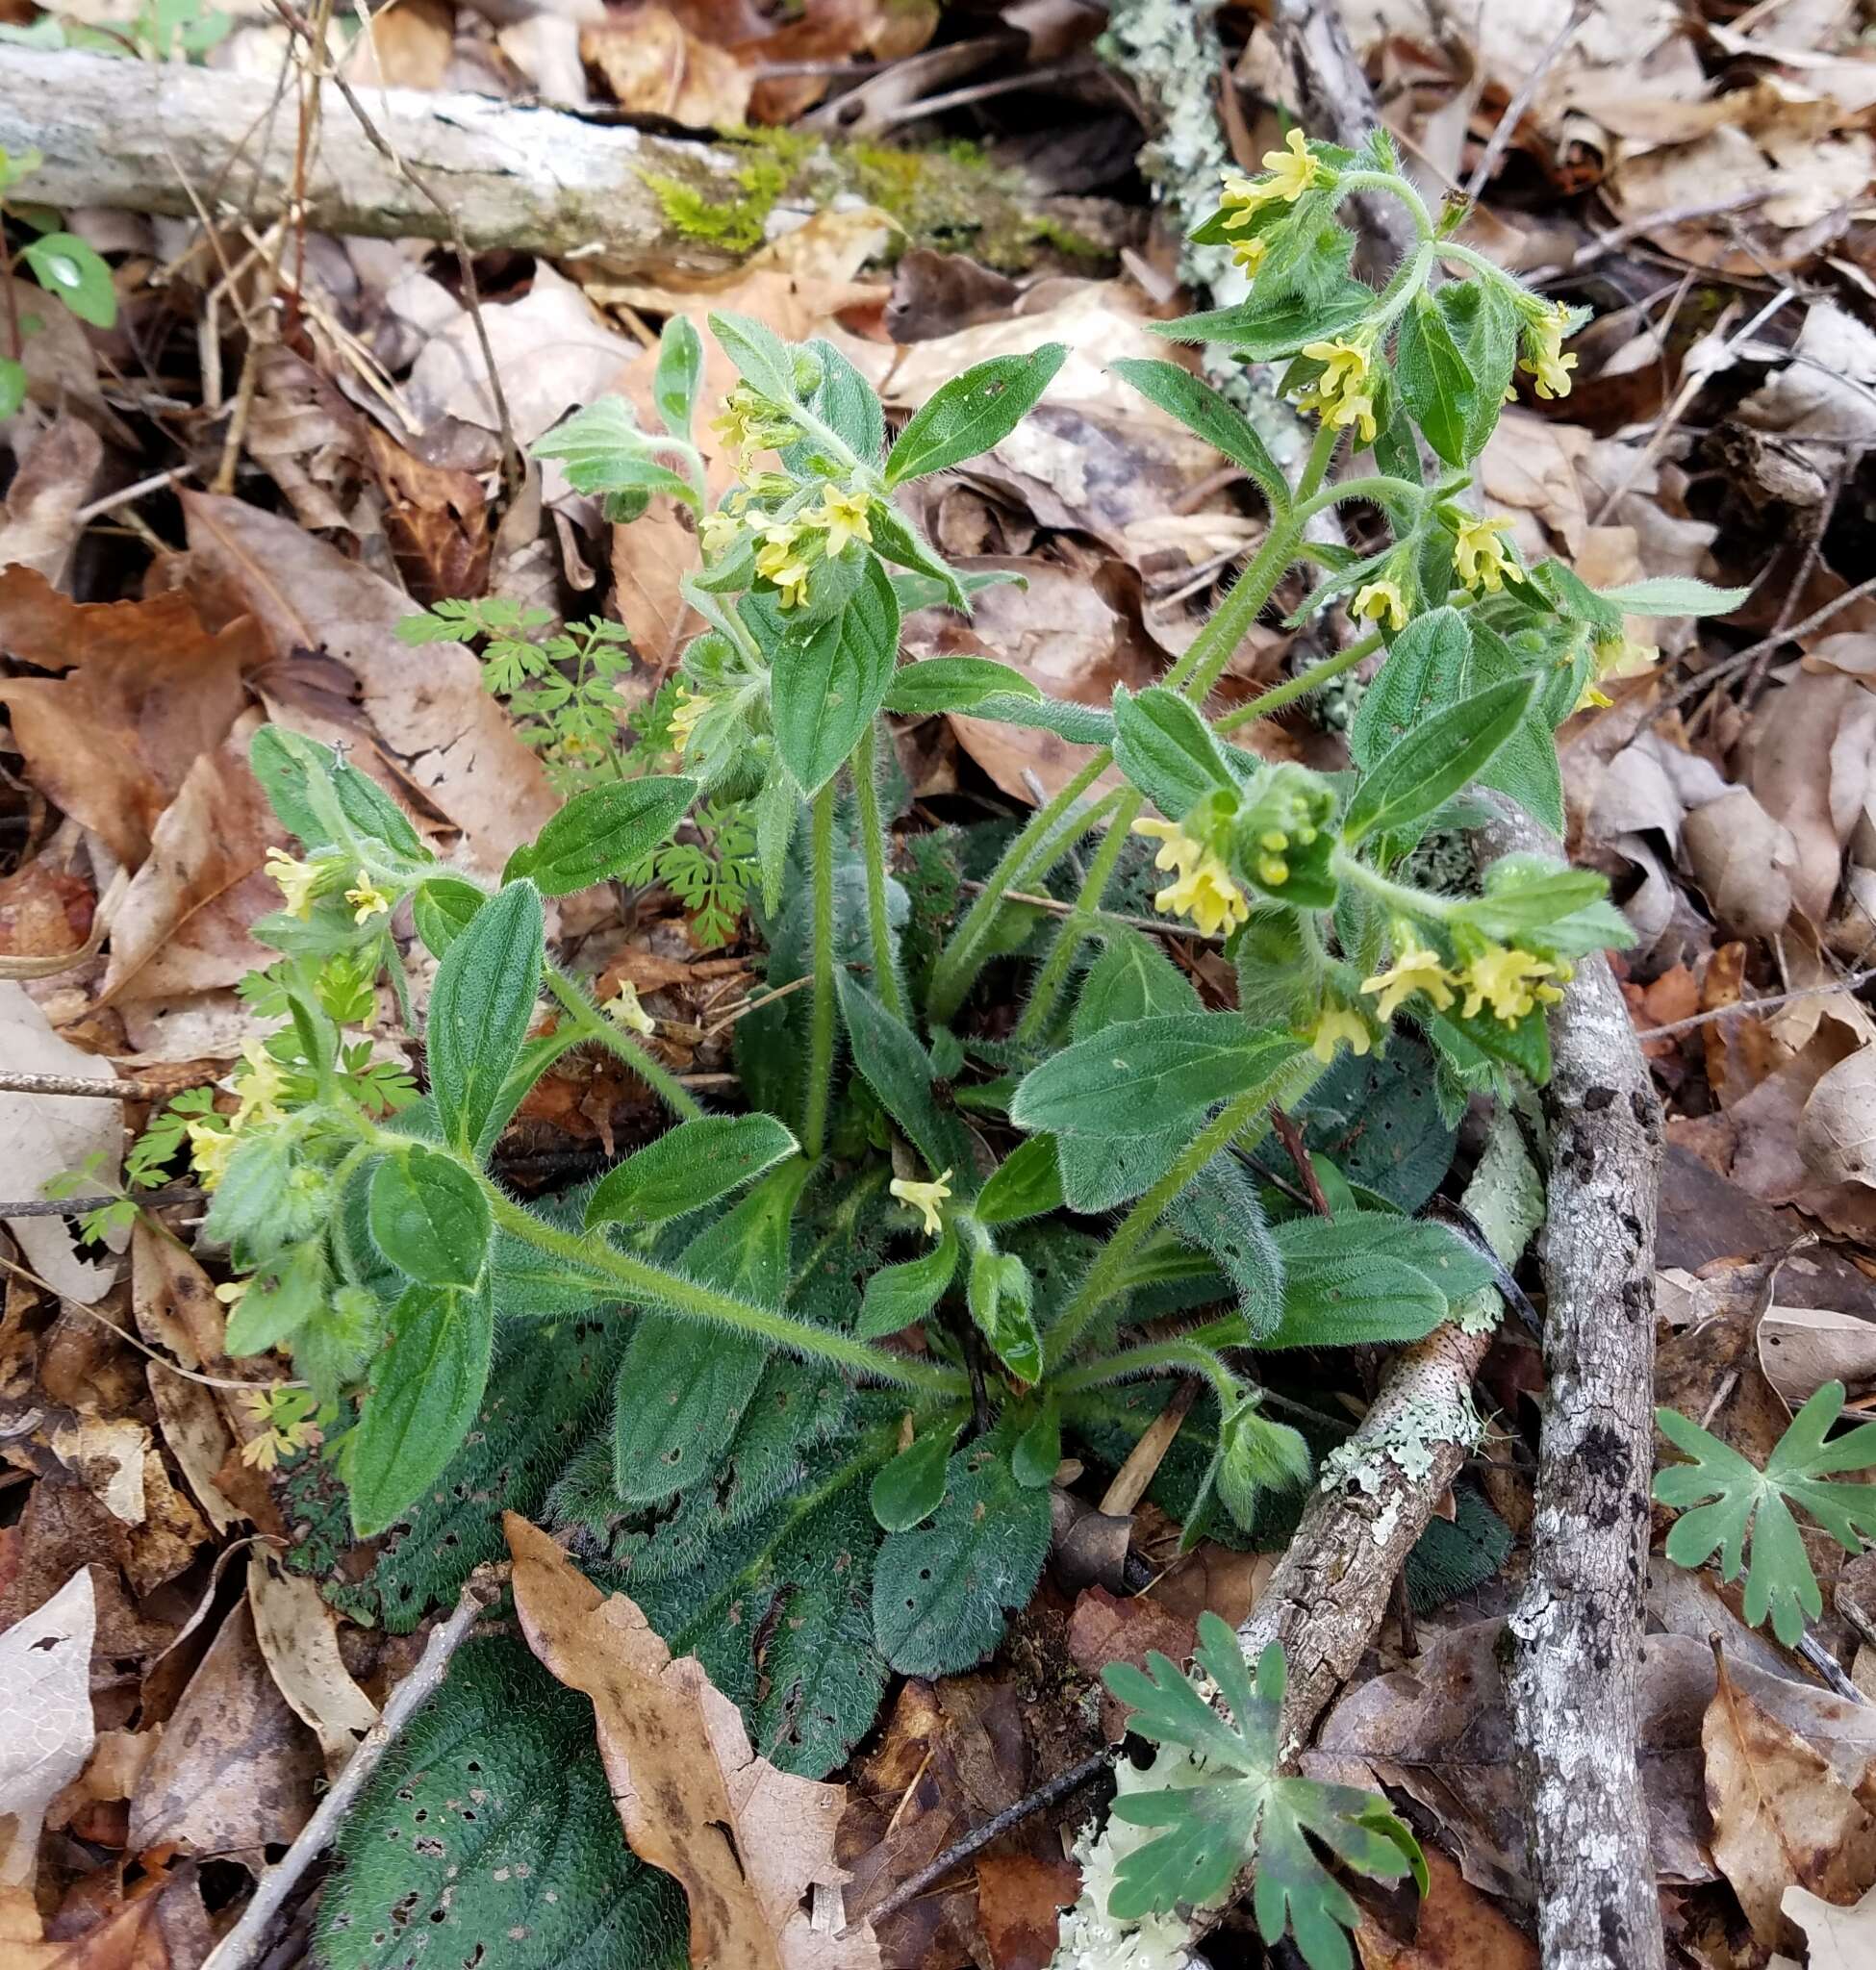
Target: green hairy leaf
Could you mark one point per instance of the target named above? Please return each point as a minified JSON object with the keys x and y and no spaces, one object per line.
{"x":71,"y":268}
{"x":600,"y":833}
{"x":480,"y":1010}
{"x":954,"y":683}
{"x":1220,"y":423}
{"x":1369,"y":1275}
{"x":680,"y":369}
{"x":1417,"y":776}
{"x":897,"y":1296}
{"x":1242,"y":1812}
{"x":689,"y":1167}
{"x":912,"y":1486}
{"x":973,"y":411}
{"x":1167,"y":750}
{"x":830,"y":680}
{"x":604,"y":451}
{"x":317,"y":799}
{"x":430,"y":1219}
{"x":1723,"y":1500}
{"x":1675,"y":594}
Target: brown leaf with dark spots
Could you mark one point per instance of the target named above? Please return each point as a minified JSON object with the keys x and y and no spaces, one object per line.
{"x":1781,"y":1815}
{"x":1457,"y":1929}
{"x":747,"y":1841}
{"x":1020,"y":1902}
{"x":437,"y":521}
{"x":1107,"y":1627}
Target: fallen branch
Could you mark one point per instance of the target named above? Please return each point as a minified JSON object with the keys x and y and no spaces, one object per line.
{"x":1576,"y":1631}
{"x":138,"y":136}
{"x":241,"y":1945}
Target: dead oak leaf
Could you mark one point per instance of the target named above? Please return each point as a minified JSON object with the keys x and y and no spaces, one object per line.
{"x":1779,"y":1813}
{"x":747,"y":1841}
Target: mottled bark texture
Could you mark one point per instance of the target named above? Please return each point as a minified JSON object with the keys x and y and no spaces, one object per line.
{"x":141,"y":136}
{"x":1575,"y":1635}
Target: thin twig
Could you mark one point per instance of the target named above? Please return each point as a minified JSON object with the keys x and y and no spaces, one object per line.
{"x":512,"y":469}
{"x":1514,"y":109}
{"x":126,"y":1090}
{"x":1855,"y":982}
{"x":1605,"y":243}
{"x":1719,"y":673}
{"x":241,"y":1945}
{"x":974,"y":1842}
{"x":77,"y":1206}
{"x":1157,"y":927}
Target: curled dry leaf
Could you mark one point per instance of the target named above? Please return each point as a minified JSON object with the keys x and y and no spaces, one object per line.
{"x":46,"y":1732}
{"x":1744,"y":860}
{"x":1810,"y":759}
{"x":1456,"y":1927}
{"x":1836,"y":1135}
{"x":54,"y":480}
{"x":747,"y":1841}
{"x":652,"y":66}
{"x":1779,"y":1813}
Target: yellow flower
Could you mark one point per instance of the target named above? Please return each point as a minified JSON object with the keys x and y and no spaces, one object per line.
{"x":626,"y":1010}
{"x":260,"y":1087}
{"x":1293,"y":169}
{"x":718,"y":530}
{"x":844,"y":514}
{"x":1205,"y":891}
{"x":779,"y":560}
{"x":1479,"y":554}
{"x":297,"y":880}
{"x":752,"y":422}
{"x":690,"y":707}
{"x":1617,"y":657}
{"x":370,"y":899}
{"x":1414,"y":969}
{"x":1250,"y":254}
{"x":1544,"y":358}
{"x":208,"y":1150}
{"x":1381,"y":602}
{"x":1337,"y":1026}
{"x":1511,"y":981}
{"x":230,"y":1295}
{"x":1342,"y":394}
{"x":926,"y":1198}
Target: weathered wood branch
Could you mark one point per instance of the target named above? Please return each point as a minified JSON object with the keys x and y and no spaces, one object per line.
{"x":1575,"y":1635}
{"x":138,"y":136}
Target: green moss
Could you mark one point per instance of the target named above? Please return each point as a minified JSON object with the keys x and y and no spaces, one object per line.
{"x":1059,"y":238}
{"x":772,"y":161}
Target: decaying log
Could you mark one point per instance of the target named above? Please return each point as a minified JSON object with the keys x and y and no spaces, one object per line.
{"x":141,"y":136}
{"x":1575,"y":1635}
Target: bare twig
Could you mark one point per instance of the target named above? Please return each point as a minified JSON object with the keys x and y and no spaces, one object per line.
{"x":1507,"y":124}
{"x":77,"y":1206}
{"x":1575,"y":1635}
{"x":76,"y":1084}
{"x":979,"y":1838}
{"x":242,"y":1943}
{"x":1743,"y":660}
{"x":1144,"y":1459}
{"x":1157,"y":927}
{"x":1855,"y":982}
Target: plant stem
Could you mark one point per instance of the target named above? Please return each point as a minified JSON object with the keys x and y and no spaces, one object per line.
{"x":1099,"y":1279}
{"x":952,"y":974}
{"x":601,"y":1030}
{"x":1313,"y":679}
{"x":1316,"y":468}
{"x":1397,"y":896}
{"x":1184,"y":1352}
{"x":820,"y":1028}
{"x":1054,"y":975}
{"x":1216,"y":644}
{"x":674,"y":1294}
{"x":872,"y":847}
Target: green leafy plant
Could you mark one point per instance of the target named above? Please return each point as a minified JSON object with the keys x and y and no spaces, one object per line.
{"x":158,"y":31}
{"x":864,"y":1322}
{"x":1224,"y":1805}
{"x":1724,"y":1498}
{"x":67,"y":267}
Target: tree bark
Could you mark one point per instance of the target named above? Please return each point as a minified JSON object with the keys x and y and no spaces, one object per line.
{"x":1575,"y":1635}
{"x":139,"y":136}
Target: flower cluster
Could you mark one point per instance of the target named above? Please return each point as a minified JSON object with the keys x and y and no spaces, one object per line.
{"x":1479,"y":556}
{"x":788,"y":545}
{"x":1344,"y":394}
{"x":1512,"y":982}
{"x":1381,"y":603}
{"x":1543,"y":357}
{"x":1204,"y":890}
{"x":924,"y":1197}
{"x":259,"y":1085}
{"x":1290,"y":172}
{"x":1615,"y":655}
{"x":753,"y":423}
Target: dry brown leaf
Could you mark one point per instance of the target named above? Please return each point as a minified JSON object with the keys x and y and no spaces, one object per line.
{"x":747,"y":1841}
{"x":1020,"y":1900}
{"x":405,"y":44}
{"x":1456,"y":1929}
{"x":1839,"y":1938}
{"x":106,"y":1455}
{"x":1108,"y":1628}
{"x":62,"y":1530}
{"x":110,"y":1775}
{"x":298,"y":1634}
{"x":1837,"y":1133}
{"x":46,"y":1732}
{"x":427,"y":704}
{"x":183,"y":925}
{"x":1743,"y":861}
{"x":1802,"y":1347}
{"x":436,"y":520}
{"x":1781,"y":1815}
{"x":235,"y":1771}
{"x":653,"y":67}
{"x":54,"y":480}
{"x":162,"y":1924}
{"x":146,"y":691}
{"x":1810,"y":759}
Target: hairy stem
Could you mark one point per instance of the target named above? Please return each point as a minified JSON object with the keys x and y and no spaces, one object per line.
{"x":1143,"y":1360}
{"x":872,"y":847}
{"x":1311,"y":678}
{"x":640,"y":1280}
{"x":820,"y":1028}
{"x":1054,"y":975}
{"x":595,"y":1026}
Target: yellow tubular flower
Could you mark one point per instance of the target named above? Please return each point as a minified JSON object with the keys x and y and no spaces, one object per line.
{"x":844,"y":514}
{"x":1381,"y":602}
{"x":780,"y":561}
{"x":1343,"y":393}
{"x":924,"y":1197}
{"x":625,"y":1010}
{"x":297,"y":880}
{"x":1479,"y":556}
{"x":718,"y":530}
{"x":1414,"y":969}
{"x":1544,"y":358}
{"x":208,"y":1150}
{"x":1250,"y":255}
{"x":1336,"y":1026}
{"x":1509,"y":981}
{"x":260,"y":1087}
{"x":370,"y":899}
{"x":1205,"y":891}
{"x":1615,"y":657}
{"x":685,"y":714}
{"x":1293,"y":169}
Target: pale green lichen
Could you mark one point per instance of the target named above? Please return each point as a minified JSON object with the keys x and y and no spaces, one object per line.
{"x":1090,"y":1938}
